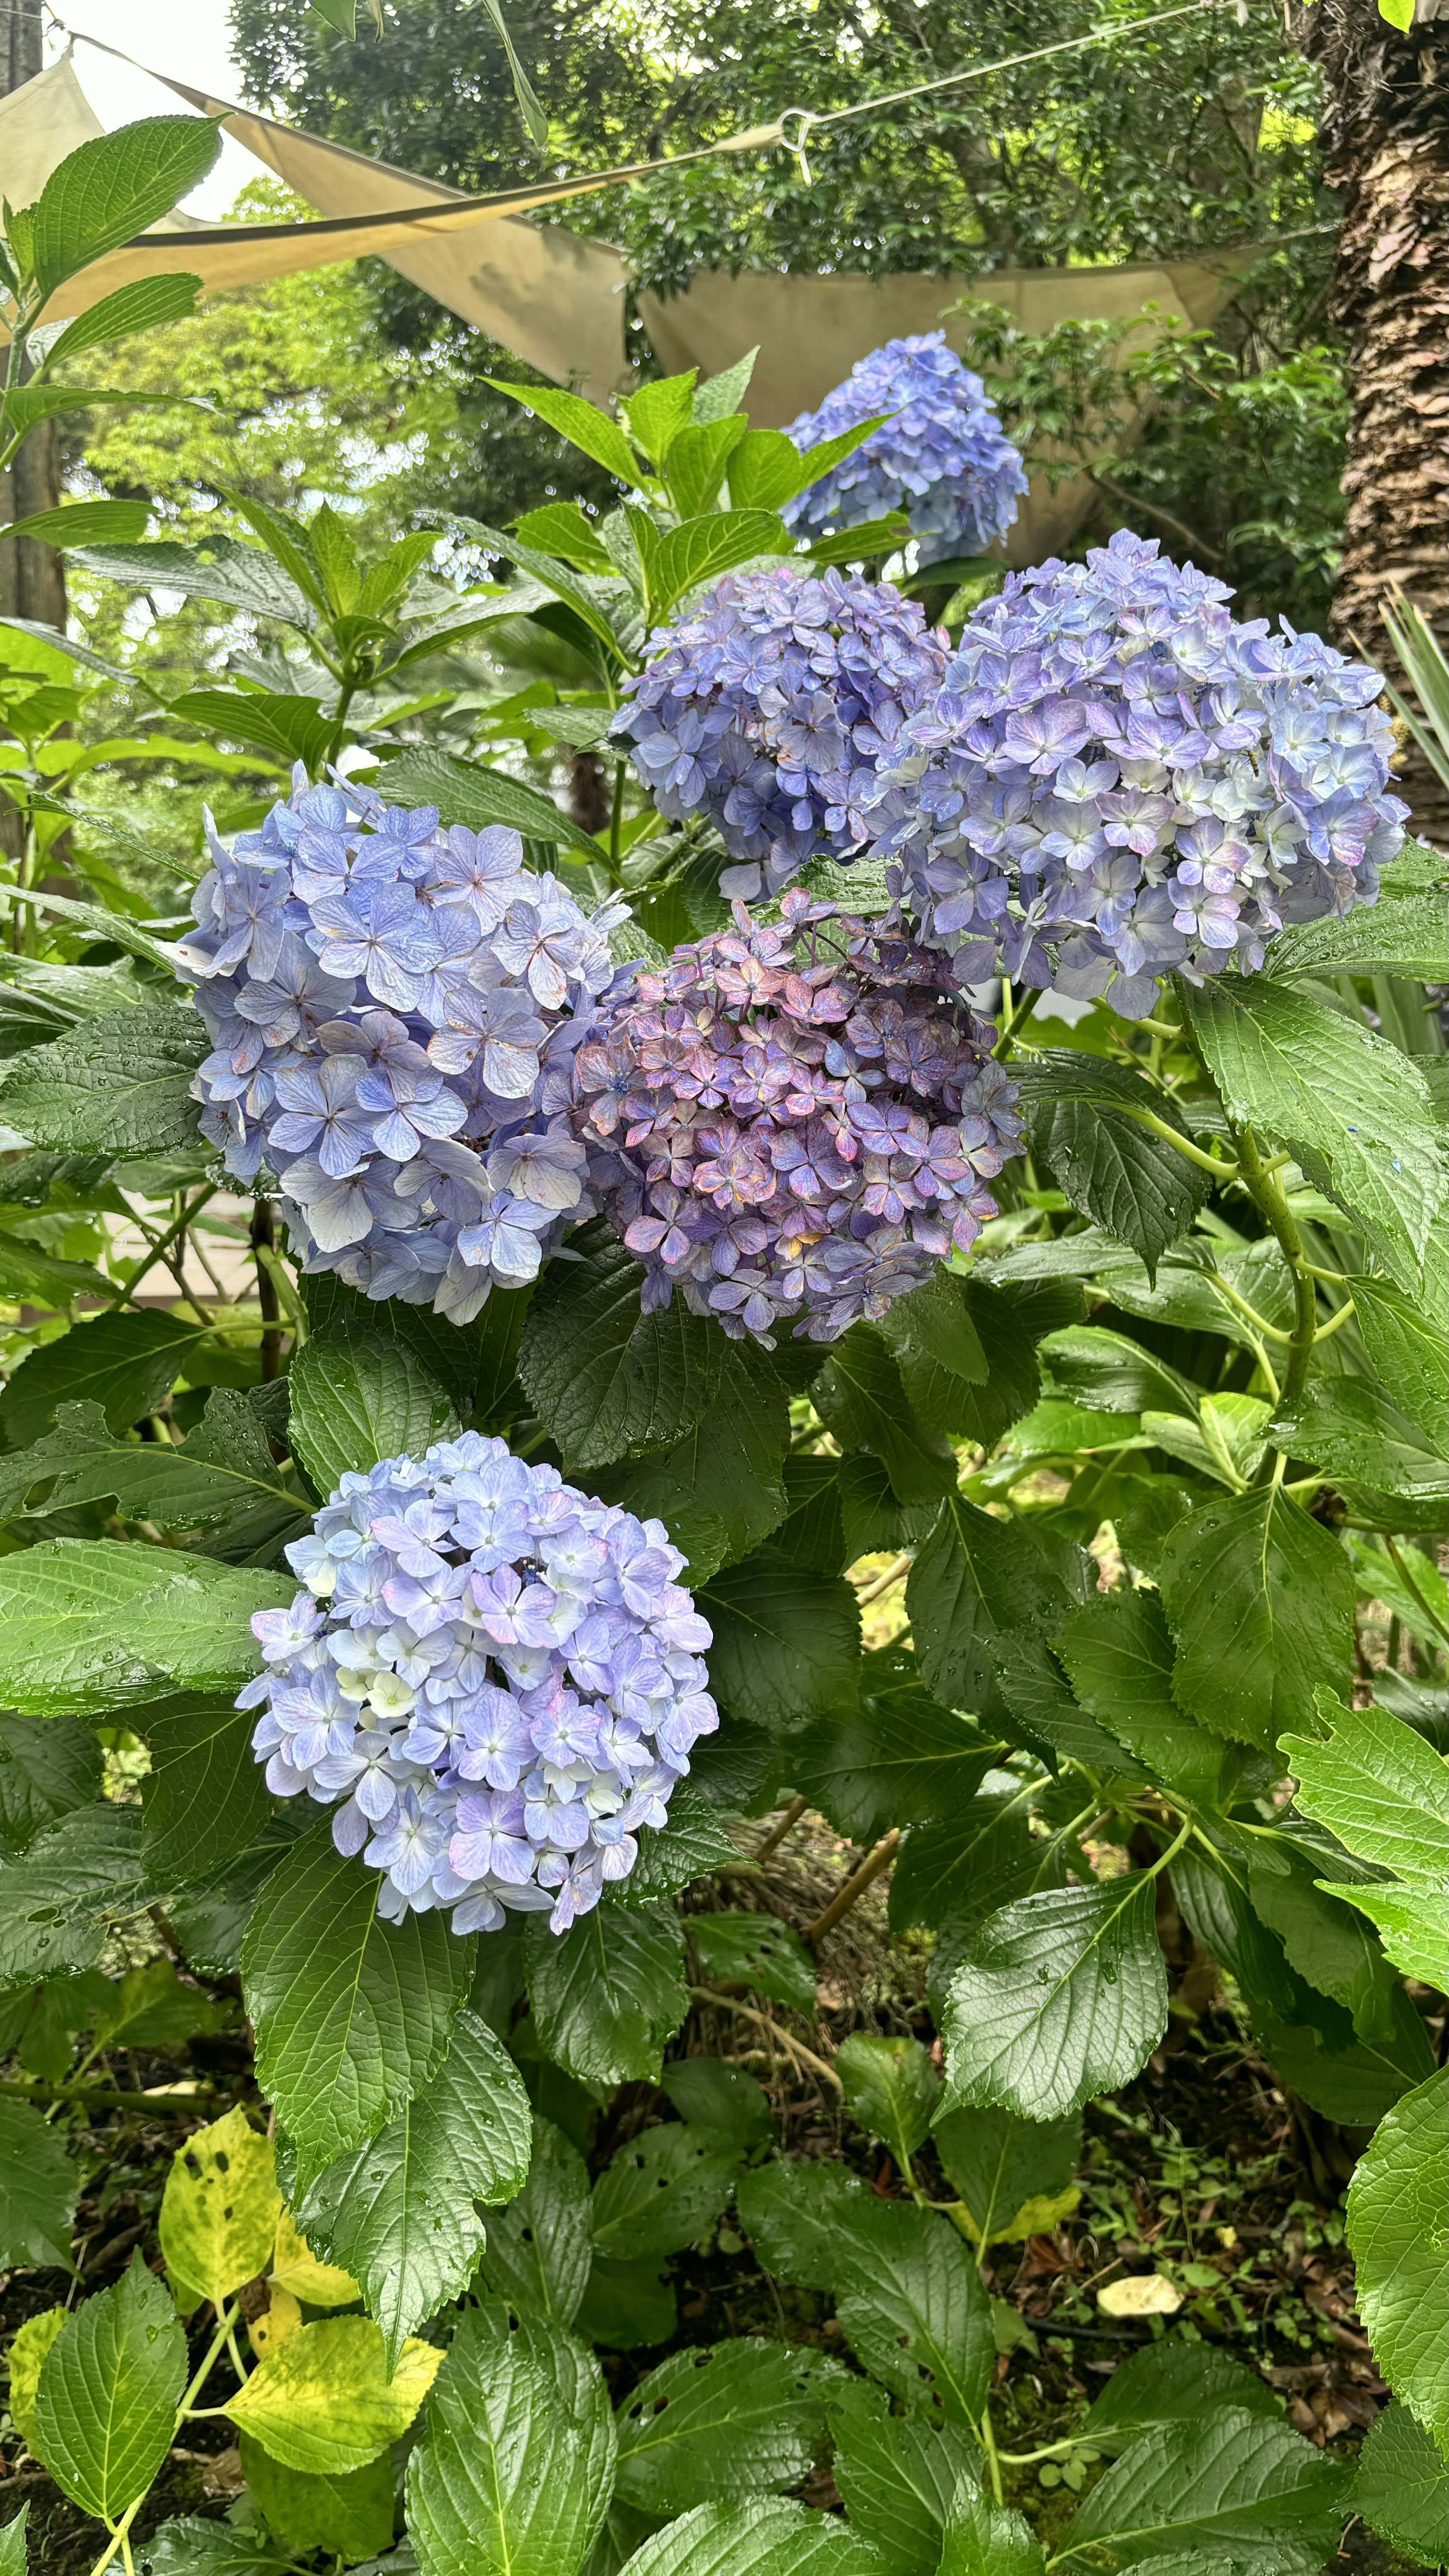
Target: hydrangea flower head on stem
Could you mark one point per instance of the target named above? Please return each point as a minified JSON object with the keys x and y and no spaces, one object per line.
{"x":390,"y":1004}
{"x":793,"y":1124}
{"x":942,"y":457}
{"x":767,"y":706}
{"x":494,"y":1681}
{"x":1117,"y":781}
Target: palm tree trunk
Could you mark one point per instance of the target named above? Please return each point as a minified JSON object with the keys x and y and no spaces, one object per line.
{"x":1385,"y":134}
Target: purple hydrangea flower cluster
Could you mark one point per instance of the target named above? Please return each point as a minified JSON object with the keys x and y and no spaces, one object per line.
{"x":1116,"y":766}
{"x":794,"y":1125}
{"x":767,"y":708}
{"x":494,"y":1679}
{"x":943,"y":456}
{"x":392,"y":1010}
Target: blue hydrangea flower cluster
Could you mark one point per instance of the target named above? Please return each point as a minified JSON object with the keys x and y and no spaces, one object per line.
{"x":392,"y":1008}
{"x":943,"y":457}
{"x":767,"y":707}
{"x":494,"y":1679}
{"x":1116,"y":767}
{"x":793,"y":1125}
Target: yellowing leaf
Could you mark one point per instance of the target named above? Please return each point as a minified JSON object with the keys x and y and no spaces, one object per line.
{"x":32,"y":2342}
{"x":1039,"y":2215}
{"x":281,"y":2317}
{"x":219,"y":2208}
{"x":322,"y":2402}
{"x":295,"y":2266}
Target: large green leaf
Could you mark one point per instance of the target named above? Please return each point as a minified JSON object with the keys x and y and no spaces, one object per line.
{"x":915,"y":2312}
{"x":1353,"y":1109}
{"x":976,"y":1578}
{"x":759,"y":1951}
{"x":122,"y":1084}
{"x":896,"y":2476}
{"x":699,"y":549}
{"x":1172,"y":2383}
{"x":221,"y":568}
{"x":348,"y":2514}
{"x":105,"y":2411}
{"x":768,"y":469}
{"x":194,"y":2546}
{"x":1113,"y":1168}
{"x":114,"y":187}
{"x":1403,"y":937}
{"x":760,"y":2539}
{"x":224,"y":1469}
{"x":1408,"y":1350}
{"x":718,"y":1490}
{"x":1107,"y":1371}
{"x":1118,"y":1652}
{"x":1376,"y":1785}
{"x":860,"y":1399}
{"x":802,"y":2218}
{"x":1345,"y":1426}
{"x":1062,"y":1996}
{"x":660,"y":2192}
{"x":786,"y":1642}
{"x":278,"y":723}
{"x":1231,"y":2484}
{"x":359,"y":1397}
{"x":204,"y":1799}
{"x":503,"y":2482}
{"x":352,"y":2014}
{"x":122,"y":1361}
{"x":142,"y":306}
{"x":902,"y":1760}
{"x":1402,"y":2487}
{"x":1325,"y":1939}
{"x":93,"y":1625}
{"x":983,"y":2538}
{"x":1260,"y":1600}
{"x":540,"y":2247}
{"x":323,"y":2401}
{"x":400,"y":2214}
{"x":971,"y":1862}
{"x":607,"y":1994}
{"x":55,"y":1898}
{"x":580,"y":422}
{"x":1001,"y":2165}
{"x":1399,"y":2238}
{"x":715,"y":2425}
{"x":38,"y":2187}
{"x":465,"y":791}
{"x":607,"y":1381}
{"x":48,"y":1767}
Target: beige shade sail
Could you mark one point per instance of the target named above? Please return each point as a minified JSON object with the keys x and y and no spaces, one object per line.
{"x":811,"y":330}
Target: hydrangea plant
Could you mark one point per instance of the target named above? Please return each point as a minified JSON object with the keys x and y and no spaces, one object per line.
{"x":794,"y":1125}
{"x":493,"y":1678}
{"x":767,"y":707}
{"x":385,"y":999}
{"x":1116,"y":768}
{"x":941,"y":456}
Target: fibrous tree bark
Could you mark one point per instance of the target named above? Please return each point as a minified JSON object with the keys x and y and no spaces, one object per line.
{"x":1385,"y":134}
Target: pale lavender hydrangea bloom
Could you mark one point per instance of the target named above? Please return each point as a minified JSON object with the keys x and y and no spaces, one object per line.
{"x":1117,"y":782}
{"x":493,"y":1679}
{"x":767,"y":706}
{"x":390,"y":1004}
{"x":943,"y":457}
{"x":794,"y":1125}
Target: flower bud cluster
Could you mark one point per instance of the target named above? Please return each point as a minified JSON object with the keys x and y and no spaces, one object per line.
{"x":794,"y":1124}
{"x":1116,"y":766}
{"x":392,"y":1009}
{"x":767,"y":707}
{"x":942,"y":457}
{"x":494,"y":1679}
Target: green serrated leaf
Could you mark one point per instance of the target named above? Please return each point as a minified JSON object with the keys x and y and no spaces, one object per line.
{"x":508,"y":2479}
{"x":915,"y":2312}
{"x":357,"y":1398}
{"x":660,"y":2192}
{"x":540,"y":2247}
{"x":1063,"y":1996}
{"x":896,"y":2476}
{"x":757,"y":1950}
{"x":48,"y":1767}
{"x":805,"y":2218}
{"x":1404,"y":937}
{"x":715,"y":2425}
{"x":123,"y":1362}
{"x":1260,"y":1600}
{"x":122,"y":1086}
{"x":95,"y":1625}
{"x":1232,"y":2484}
{"x":718,"y":1489}
{"x":607,"y":1994}
{"x":700,"y":549}
{"x":1350,"y":1106}
{"x":349,"y":2514}
{"x":891,"y":2088}
{"x":605,"y":1379}
{"x":105,"y":2410}
{"x":975,"y":1579}
{"x":998,"y":2163}
{"x":903,"y":1760}
{"x":400,"y":2214}
{"x":221,"y":568}
{"x":969,"y":1863}
{"x":860,"y":1399}
{"x":352,"y":2014}
{"x":1401,"y":2487}
{"x":1119,"y":1655}
{"x":38,"y":2188}
{"x":1117,"y":1171}
{"x":55,"y":1898}
{"x":205,"y":1798}
{"x":786,"y":1644}
{"x":465,"y":791}
{"x":1408,"y":1351}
